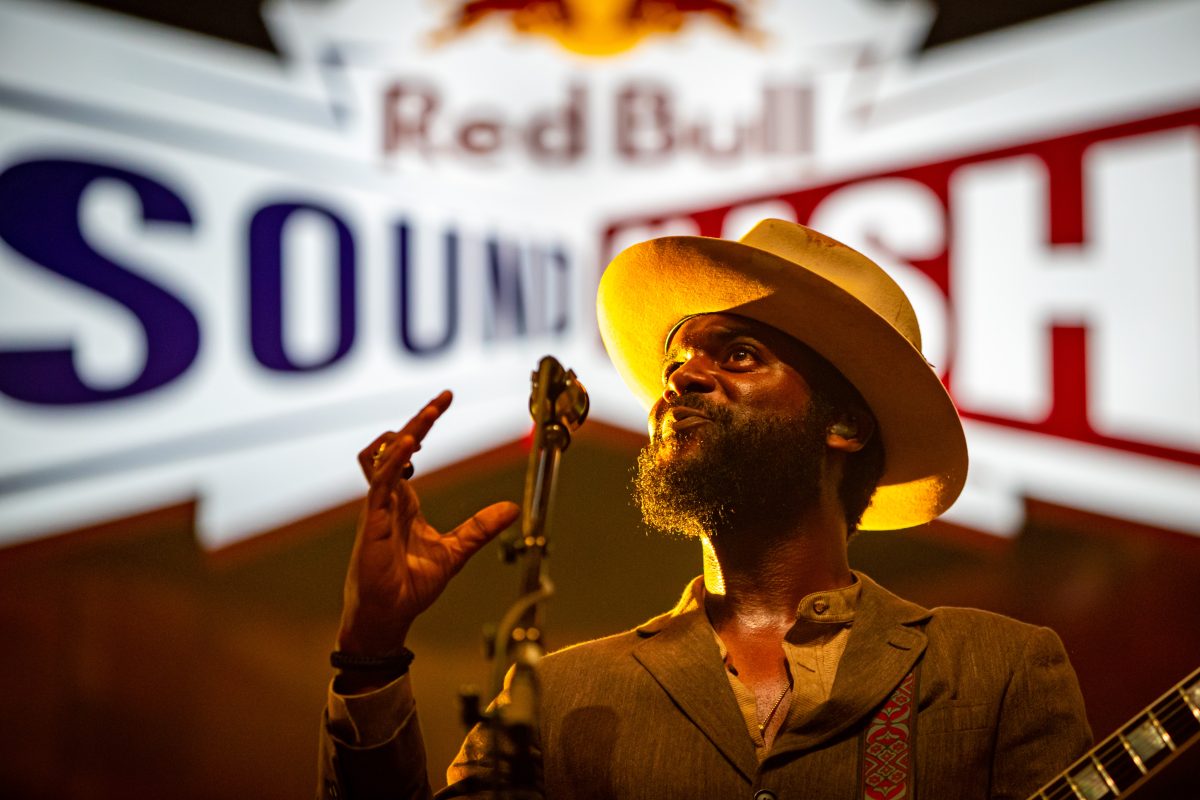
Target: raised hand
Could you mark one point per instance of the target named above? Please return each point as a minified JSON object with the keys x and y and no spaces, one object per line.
{"x":400,"y":564}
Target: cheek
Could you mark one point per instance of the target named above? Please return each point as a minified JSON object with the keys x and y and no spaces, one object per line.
{"x":654,"y":419}
{"x":780,"y":395}
{"x":790,"y":390}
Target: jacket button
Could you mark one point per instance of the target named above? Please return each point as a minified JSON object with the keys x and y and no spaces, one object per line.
{"x":820,"y":606}
{"x":764,"y":794}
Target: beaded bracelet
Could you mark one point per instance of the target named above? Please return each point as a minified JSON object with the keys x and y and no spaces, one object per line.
{"x":352,"y":661}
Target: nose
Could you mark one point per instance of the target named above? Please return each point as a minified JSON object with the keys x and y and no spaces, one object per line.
{"x":695,"y":374}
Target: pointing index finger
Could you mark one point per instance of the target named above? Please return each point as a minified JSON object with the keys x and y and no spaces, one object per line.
{"x":421,"y":424}
{"x":372,"y":457}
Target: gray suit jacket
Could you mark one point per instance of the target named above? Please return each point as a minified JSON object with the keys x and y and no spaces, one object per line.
{"x":649,"y":714}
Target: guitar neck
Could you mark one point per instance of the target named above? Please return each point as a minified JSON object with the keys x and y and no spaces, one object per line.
{"x":1125,"y":760}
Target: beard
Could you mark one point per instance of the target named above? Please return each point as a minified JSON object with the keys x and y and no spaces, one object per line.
{"x":741,"y":469}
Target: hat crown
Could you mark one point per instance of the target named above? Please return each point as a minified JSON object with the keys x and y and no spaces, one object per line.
{"x":842,"y":266}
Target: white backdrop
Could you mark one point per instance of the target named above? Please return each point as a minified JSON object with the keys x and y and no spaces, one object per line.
{"x":155,"y":183}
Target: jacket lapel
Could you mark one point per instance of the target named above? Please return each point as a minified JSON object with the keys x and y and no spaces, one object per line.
{"x":885,"y":644}
{"x":681,"y":654}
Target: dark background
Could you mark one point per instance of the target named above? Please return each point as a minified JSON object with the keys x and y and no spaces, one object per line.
{"x":241,"y":20}
{"x":147,"y":668}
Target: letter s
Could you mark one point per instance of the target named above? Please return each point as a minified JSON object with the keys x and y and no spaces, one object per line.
{"x":39,"y":218}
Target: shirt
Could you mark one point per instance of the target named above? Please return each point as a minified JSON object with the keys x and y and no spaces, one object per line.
{"x":812,"y":650}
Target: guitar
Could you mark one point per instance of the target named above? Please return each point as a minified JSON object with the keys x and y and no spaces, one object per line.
{"x":1125,"y":760}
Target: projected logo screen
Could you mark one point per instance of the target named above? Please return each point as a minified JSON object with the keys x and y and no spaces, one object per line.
{"x":221,"y":277}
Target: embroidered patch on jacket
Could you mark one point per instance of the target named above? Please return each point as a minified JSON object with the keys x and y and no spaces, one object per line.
{"x":887,"y":747}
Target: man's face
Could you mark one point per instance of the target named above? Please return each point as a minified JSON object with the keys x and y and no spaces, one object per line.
{"x":733,"y":363}
{"x":737,"y":433}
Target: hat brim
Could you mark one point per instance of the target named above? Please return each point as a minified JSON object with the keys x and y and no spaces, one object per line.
{"x":651,"y":286}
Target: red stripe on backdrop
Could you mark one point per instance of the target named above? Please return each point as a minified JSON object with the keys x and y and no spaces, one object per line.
{"x":1063,"y":157}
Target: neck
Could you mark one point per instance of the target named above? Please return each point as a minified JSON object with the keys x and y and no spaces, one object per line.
{"x":756,"y":577}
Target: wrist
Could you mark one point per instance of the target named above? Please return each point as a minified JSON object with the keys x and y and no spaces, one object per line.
{"x":359,"y":644}
{"x":359,"y":673}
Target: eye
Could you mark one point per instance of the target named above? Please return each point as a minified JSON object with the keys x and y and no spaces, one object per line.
{"x":741,"y":356}
{"x":669,"y":368}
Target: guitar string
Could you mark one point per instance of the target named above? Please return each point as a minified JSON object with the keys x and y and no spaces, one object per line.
{"x":1169,"y":709}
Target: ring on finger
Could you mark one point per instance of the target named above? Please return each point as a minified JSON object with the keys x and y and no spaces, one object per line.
{"x":406,"y":469}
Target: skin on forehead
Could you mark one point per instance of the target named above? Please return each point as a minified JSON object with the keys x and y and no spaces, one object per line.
{"x":719,"y":329}
{"x":729,"y":325}
{"x":714,"y":330}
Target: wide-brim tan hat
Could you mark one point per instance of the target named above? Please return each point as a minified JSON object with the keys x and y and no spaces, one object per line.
{"x":825,"y":294}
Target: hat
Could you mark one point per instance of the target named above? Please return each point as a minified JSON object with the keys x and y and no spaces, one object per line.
{"x":828,"y":296}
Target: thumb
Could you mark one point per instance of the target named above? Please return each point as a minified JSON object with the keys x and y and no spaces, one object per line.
{"x":485,"y":525}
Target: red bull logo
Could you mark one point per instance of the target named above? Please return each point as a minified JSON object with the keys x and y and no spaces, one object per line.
{"x":598,"y":27}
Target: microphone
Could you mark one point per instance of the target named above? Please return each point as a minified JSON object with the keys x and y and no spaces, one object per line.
{"x":557,"y":397}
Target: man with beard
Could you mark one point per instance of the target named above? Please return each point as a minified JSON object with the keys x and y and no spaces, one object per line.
{"x":789,"y":406}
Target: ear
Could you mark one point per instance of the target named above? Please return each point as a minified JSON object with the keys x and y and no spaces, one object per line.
{"x":850,"y":432}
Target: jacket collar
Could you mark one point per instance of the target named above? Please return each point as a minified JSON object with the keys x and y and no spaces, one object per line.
{"x":682,"y":655}
{"x":886,"y":642}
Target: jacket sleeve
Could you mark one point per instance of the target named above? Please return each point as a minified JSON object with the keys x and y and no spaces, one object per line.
{"x":1043,"y":727}
{"x":371,"y":746}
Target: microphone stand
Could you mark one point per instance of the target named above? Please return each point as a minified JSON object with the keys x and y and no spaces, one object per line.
{"x":558,"y":404}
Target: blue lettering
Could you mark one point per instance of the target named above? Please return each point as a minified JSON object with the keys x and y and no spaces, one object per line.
{"x":266,"y":287}
{"x":528,"y":290}
{"x":558,"y":275}
{"x":449,"y":294}
{"x":507,"y":290}
{"x":39,"y":218}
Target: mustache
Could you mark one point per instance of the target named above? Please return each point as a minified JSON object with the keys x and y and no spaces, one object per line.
{"x":697,"y":402}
